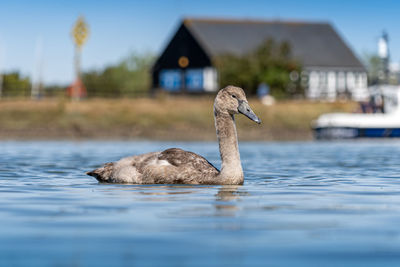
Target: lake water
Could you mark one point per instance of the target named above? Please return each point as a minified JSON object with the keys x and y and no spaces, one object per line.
{"x":302,"y":204}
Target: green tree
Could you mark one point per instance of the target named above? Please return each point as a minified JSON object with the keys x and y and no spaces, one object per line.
{"x":374,"y":65}
{"x":271,"y":63}
{"x":16,"y":85}
{"x":130,"y":77}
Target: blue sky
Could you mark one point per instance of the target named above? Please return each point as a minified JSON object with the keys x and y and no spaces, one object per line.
{"x":120,"y":27}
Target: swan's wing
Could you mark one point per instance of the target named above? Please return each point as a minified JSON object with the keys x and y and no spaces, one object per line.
{"x":188,"y":161}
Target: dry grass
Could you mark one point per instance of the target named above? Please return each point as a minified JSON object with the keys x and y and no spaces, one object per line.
{"x":169,"y":118}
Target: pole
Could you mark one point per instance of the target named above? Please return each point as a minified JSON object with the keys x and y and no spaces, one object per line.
{"x":37,"y":71}
{"x":77,"y":63}
{"x":80,"y":34}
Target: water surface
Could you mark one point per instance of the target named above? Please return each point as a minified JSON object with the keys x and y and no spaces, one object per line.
{"x":302,"y":204}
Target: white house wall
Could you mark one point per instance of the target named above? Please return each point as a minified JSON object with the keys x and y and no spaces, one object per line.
{"x":329,"y":84}
{"x":360,"y":91}
{"x":210,"y":79}
{"x":313,"y":91}
{"x":332,"y":88}
{"x":341,"y":82}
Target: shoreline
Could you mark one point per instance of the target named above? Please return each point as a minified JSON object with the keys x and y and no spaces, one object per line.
{"x":166,"y":119}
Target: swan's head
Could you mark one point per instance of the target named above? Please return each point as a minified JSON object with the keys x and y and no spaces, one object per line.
{"x":233,"y":100}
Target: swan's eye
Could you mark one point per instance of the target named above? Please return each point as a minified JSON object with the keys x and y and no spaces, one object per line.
{"x":234,"y":96}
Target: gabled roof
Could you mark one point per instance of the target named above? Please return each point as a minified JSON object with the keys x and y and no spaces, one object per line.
{"x":314,"y":44}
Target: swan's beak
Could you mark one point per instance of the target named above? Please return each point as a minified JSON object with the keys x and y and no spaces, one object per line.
{"x":245,"y":109}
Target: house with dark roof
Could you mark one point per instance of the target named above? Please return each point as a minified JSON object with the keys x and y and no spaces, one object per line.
{"x":330,"y":68}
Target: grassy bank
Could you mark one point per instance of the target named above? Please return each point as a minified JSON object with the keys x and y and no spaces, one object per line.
{"x":171,"y":118}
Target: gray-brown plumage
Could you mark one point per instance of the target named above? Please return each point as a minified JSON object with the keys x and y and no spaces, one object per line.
{"x":176,"y":166}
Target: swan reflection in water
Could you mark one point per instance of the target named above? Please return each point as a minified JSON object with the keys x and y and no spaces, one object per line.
{"x":224,"y":201}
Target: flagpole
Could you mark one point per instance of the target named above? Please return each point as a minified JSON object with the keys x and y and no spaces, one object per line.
{"x":80,"y":33}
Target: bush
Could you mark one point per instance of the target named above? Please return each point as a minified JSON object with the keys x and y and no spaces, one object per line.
{"x":130,"y":77}
{"x":15,"y":85}
{"x":270,"y":63}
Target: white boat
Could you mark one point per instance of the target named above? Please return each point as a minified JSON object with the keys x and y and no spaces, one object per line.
{"x":363,"y":125}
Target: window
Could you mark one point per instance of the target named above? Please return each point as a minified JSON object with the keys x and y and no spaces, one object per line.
{"x":171,"y":80}
{"x":194,"y":79}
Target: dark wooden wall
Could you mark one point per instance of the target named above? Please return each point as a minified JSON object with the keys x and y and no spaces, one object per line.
{"x":182,"y":44}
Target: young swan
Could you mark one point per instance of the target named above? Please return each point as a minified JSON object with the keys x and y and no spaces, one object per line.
{"x":176,"y":166}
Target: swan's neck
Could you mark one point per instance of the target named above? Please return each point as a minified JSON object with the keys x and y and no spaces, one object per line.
{"x":231,"y":168}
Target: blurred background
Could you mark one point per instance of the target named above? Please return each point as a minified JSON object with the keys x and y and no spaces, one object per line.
{"x":134,"y":69}
{"x":88,"y":82}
